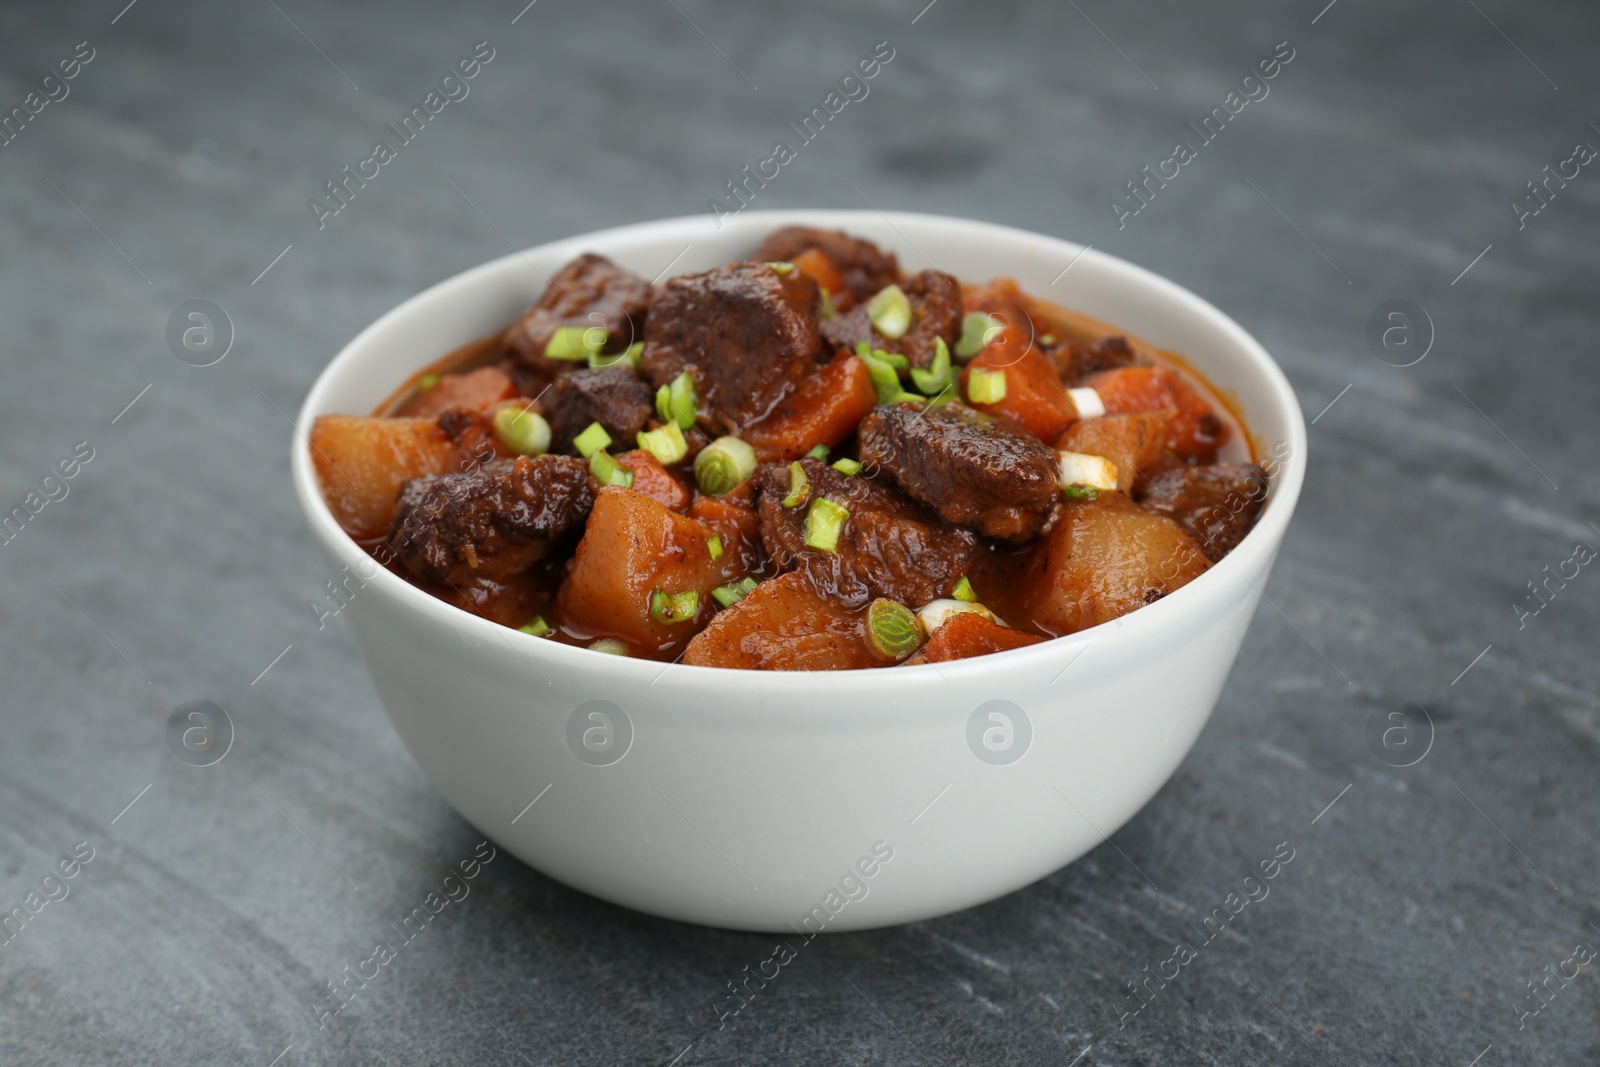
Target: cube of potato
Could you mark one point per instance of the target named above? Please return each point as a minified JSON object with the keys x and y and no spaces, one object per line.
{"x":632,"y":547}
{"x":1102,"y":559}
{"x":1130,"y":442}
{"x":362,"y":461}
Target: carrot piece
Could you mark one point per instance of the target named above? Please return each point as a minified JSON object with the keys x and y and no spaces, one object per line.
{"x":474,"y":391}
{"x":970,"y":634}
{"x":719,"y":511}
{"x":653,"y":480}
{"x":783,"y":625}
{"x":1034,"y":396}
{"x":1195,"y":429}
{"x":815,"y":264}
{"x":823,"y":411}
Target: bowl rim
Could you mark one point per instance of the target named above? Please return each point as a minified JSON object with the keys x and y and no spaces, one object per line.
{"x":1263,"y":538}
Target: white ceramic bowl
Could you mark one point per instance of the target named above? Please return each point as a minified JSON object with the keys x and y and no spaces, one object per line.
{"x":803,"y":801}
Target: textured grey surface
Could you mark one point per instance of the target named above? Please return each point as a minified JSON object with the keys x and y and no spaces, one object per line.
{"x":1416,"y":909}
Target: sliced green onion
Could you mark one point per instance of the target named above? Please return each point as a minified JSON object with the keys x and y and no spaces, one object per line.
{"x":575,"y":343}
{"x":977,"y":330}
{"x":782,"y":268}
{"x":426,"y":382}
{"x":714,"y":546}
{"x":963,"y":591}
{"x":986,"y":386}
{"x":890,"y":312}
{"x":610,"y":646}
{"x":1087,"y":402}
{"x":1087,"y":471}
{"x":608,"y":471}
{"x":591,"y":440}
{"x":894,"y":359}
{"x":847,"y":466}
{"x":939,"y":612}
{"x":799,"y":486}
{"x":669,"y":609}
{"x":666,"y":444}
{"x":885,"y":379}
{"x":828,"y":310}
{"x":819,"y":452}
{"x":894,"y":629}
{"x":824,"y":522}
{"x":522,"y":430}
{"x":1047,"y":339}
{"x":729,"y":595}
{"x":677,"y":402}
{"x":723,"y":464}
{"x":538,"y":627}
{"x":630,"y":356}
{"x":1081,"y":492}
{"x":935,"y":379}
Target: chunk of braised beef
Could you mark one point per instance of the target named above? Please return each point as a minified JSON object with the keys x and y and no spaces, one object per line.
{"x":612,"y":396}
{"x":974,"y":469}
{"x":510,"y":603}
{"x":590,"y":291}
{"x":848,"y":330}
{"x":935,"y":300}
{"x":745,"y":334}
{"x":472,"y":434}
{"x":492,"y":522}
{"x":889,"y":546}
{"x":1215,"y":505}
{"x":1074,"y":360}
{"x":866,"y":268}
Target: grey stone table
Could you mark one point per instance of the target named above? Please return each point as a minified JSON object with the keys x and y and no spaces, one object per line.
{"x":1388,"y":160}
